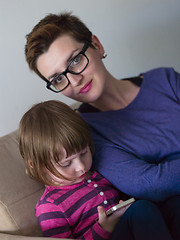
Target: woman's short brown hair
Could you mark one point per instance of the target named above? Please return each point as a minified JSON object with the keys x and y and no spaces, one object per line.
{"x":44,"y":130}
{"x":48,"y":30}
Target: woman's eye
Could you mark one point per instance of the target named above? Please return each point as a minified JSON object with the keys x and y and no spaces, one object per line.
{"x":76,"y":60}
{"x":58,"y":80}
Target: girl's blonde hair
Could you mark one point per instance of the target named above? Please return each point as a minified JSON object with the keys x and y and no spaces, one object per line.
{"x":44,"y":130}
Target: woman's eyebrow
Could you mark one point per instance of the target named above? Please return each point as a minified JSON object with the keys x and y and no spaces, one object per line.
{"x":71,"y":56}
{"x":67,"y":61}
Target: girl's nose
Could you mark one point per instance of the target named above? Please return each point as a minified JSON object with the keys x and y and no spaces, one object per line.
{"x":75,"y":80}
{"x":80,"y":166}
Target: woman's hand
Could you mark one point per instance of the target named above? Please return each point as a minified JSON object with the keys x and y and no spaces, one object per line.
{"x":108,"y":223}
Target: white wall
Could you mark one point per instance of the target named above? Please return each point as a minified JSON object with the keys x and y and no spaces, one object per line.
{"x":137,"y":35}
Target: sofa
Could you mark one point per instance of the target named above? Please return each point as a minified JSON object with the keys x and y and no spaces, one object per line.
{"x":18,"y":194}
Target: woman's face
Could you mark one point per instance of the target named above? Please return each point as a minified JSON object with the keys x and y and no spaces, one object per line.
{"x":84,"y":87}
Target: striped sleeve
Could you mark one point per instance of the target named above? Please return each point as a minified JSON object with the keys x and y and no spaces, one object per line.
{"x":54,"y":223}
{"x":96,"y":233}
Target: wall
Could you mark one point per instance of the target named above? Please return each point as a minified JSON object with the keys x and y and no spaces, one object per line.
{"x":137,"y":35}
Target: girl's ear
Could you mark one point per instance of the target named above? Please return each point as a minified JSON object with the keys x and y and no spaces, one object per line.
{"x":97,"y":44}
{"x":30,"y":163}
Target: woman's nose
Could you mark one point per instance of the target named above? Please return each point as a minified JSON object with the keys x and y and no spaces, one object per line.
{"x":75,"y":80}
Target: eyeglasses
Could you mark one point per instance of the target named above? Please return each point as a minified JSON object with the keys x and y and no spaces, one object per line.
{"x":76,"y":66}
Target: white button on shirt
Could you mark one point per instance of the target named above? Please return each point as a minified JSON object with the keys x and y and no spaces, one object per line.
{"x":101,"y":193}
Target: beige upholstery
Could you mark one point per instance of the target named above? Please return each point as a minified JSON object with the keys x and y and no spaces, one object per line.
{"x":18,"y":237}
{"x":18,"y":194}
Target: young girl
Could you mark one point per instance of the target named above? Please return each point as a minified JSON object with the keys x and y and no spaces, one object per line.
{"x":56,"y":145}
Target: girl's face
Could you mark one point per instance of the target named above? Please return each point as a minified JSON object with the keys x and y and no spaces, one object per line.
{"x":84,"y":87}
{"x":74,"y":167}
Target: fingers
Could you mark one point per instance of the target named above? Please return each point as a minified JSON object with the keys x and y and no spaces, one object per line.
{"x":102,"y":213}
{"x":107,"y":223}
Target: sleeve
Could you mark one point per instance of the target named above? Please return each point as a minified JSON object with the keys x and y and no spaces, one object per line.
{"x":54,"y":223}
{"x":136,"y":177}
{"x":96,"y":232}
{"x":174,"y":82}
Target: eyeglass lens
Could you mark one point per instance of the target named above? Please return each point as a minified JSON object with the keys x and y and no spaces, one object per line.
{"x":76,"y":66}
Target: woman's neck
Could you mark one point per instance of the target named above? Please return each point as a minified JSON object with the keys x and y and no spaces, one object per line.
{"x":117,"y":94}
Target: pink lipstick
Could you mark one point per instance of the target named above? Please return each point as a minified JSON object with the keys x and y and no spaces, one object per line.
{"x":86,"y":87}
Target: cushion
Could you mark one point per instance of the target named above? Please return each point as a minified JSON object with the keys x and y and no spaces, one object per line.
{"x":18,"y":193}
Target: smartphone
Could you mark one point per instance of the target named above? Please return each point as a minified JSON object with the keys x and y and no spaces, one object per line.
{"x":120,"y":205}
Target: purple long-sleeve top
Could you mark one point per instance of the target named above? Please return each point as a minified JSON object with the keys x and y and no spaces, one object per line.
{"x":138,"y":148}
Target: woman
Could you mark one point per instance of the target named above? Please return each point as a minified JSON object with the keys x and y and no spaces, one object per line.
{"x":134,"y":121}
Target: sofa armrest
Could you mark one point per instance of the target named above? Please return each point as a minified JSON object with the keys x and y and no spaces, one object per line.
{"x":18,"y":193}
{"x":17,"y":237}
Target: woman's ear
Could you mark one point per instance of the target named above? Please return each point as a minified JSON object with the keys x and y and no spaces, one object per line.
{"x":97,"y":44}
{"x":30,"y":163}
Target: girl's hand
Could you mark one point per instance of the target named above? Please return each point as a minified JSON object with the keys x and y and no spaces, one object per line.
{"x":108,"y":223}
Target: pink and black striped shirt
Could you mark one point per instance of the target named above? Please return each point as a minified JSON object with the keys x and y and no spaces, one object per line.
{"x":71,"y":211}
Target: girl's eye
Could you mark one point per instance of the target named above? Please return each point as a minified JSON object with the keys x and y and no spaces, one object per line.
{"x":84,"y":152}
{"x":65,"y":164}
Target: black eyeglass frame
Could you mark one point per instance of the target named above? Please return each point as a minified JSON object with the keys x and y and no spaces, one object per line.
{"x":85,"y":47}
